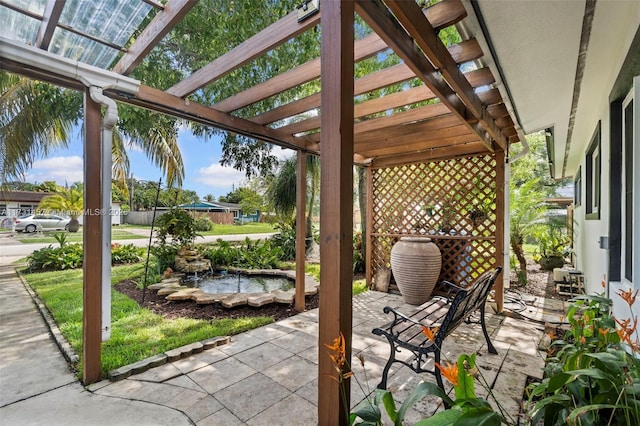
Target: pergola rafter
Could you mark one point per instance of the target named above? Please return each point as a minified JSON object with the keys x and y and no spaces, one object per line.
{"x":50,"y":18}
{"x":162,"y":23}
{"x":264,"y":41}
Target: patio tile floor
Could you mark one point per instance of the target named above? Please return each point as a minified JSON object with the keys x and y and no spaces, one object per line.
{"x":269,"y":375}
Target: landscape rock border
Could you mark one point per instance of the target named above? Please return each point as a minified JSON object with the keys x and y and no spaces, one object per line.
{"x":168,"y":356}
{"x":173,"y":290}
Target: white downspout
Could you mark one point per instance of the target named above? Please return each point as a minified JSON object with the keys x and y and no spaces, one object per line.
{"x":108,"y":121}
{"x":507,"y":207}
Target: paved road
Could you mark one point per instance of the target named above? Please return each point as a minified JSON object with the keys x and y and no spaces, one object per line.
{"x":12,"y":250}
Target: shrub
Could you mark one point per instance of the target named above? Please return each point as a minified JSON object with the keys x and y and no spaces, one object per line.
{"x":251,"y":255}
{"x":164,"y":256}
{"x":177,"y":224}
{"x":49,"y":258}
{"x":127,"y":253}
{"x":285,"y":239}
{"x":594,"y":376}
{"x":358,"y":255}
{"x":70,"y":256}
{"x":203,"y":224}
{"x":222,"y":254}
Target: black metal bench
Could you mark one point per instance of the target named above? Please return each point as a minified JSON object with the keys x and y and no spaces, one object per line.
{"x":446,"y":312}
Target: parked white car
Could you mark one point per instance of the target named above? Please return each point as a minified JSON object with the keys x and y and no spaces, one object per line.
{"x":41,"y":222}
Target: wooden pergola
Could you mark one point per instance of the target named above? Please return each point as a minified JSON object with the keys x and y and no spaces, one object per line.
{"x":468,"y":119}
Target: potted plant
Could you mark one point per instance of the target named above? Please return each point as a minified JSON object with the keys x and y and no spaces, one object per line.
{"x":551,"y":249}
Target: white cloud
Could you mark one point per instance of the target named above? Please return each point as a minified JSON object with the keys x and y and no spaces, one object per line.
{"x":60,"y":169}
{"x":282,"y":153}
{"x":218,"y":176}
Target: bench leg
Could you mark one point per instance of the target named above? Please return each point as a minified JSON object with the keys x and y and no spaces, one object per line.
{"x":385,"y":372}
{"x":490,"y":346}
{"x":437,"y":370}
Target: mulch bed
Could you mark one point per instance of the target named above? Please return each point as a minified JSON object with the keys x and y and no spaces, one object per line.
{"x":190,"y":309}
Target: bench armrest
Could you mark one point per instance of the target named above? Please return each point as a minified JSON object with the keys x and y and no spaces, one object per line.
{"x":398,"y":317}
{"x":450,"y":289}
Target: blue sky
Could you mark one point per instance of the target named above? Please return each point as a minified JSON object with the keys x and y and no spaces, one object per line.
{"x":203,"y":172}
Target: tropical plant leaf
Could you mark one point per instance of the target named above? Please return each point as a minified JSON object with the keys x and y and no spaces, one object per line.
{"x":442,"y":418}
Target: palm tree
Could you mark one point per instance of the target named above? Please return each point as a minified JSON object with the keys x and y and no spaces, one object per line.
{"x":67,"y":202}
{"x":36,"y":118}
{"x":524,"y":218}
{"x":282,"y":191}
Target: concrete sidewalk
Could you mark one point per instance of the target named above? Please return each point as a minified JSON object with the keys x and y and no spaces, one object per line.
{"x":37,"y":387}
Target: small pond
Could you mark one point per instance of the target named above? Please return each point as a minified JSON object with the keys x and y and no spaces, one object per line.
{"x":240,"y":283}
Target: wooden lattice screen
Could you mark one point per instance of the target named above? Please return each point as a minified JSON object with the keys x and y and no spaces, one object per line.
{"x":452,"y":201}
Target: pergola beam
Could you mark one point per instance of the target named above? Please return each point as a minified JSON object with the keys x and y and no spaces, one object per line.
{"x":162,"y":23}
{"x":432,"y":128}
{"x":421,"y":113}
{"x":160,"y":101}
{"x":384,"y":23}
{"x":435,"y":154}
{"x":336,"y":208}
{"x":447,"y":137}
{"x":50,"y":18}
{"x":253,"y":47}
{"x":427,"y":38}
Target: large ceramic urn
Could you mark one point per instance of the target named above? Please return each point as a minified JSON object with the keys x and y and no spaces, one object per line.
{"x":416,"y":263}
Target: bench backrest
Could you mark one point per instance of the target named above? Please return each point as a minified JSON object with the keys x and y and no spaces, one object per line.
{"x":468,"y":300}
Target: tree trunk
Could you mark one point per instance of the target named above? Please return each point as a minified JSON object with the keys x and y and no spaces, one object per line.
{"x":516,"y":246}
{"x":309,"y":224}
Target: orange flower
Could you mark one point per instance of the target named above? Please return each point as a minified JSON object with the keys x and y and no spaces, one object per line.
{"x":338,"y":348}
{"x":337,"y":355}
{"x":627,"y":330}
{"x":604,"y":331}
{"x":603,"y":283}
{"x":561,"y":318}
{"x":624,"y":323}
{"x":551,"y":335}
{"x":628,"y":296}
{"x":583,"y":340}
{"x":430,"y":332}
{"x":450,"y":372}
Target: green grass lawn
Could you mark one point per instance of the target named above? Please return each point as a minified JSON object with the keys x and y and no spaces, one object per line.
{"x":313,"y":269}
{"x":72,"y":237}
{"x":137,"y":333}
{"x":247,"y":228}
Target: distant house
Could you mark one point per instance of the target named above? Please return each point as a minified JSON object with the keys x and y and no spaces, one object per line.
{"x":220,"y":207}
{"x":18,"y":203}
{"x":213,"y":207}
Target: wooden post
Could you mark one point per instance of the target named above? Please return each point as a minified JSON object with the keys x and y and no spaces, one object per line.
{"x":301,"y":203}
{"x":368,"y":173}
{"x":336,"y":205}
{"x":500,"y":223}
{"x":92,"y":238}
